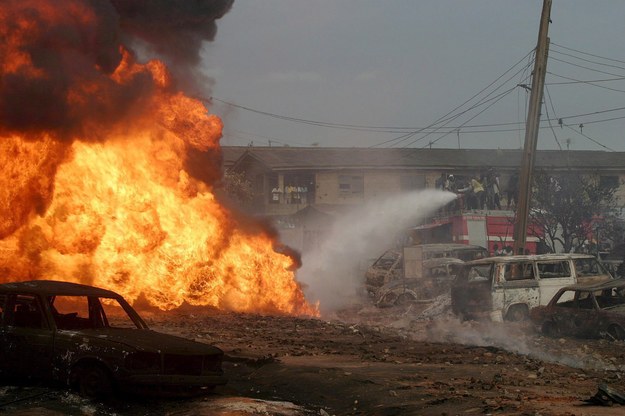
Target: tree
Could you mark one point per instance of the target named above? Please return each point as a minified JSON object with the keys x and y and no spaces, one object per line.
{"x":237,"y":187}
{"x":568,"y":208}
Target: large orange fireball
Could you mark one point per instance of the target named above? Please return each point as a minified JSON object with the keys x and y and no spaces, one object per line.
{"x":96,"y":186}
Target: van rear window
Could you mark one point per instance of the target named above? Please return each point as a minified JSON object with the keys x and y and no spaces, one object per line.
{"x":589,"y":267}
{"x":553,"y":269}
{"x":519,"y":271}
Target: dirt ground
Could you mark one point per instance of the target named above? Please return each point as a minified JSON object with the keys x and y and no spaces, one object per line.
{"x":413,"y":360}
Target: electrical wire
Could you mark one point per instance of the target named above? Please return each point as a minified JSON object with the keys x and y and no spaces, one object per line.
{"x":586,"y":53}
{"x":584,"y":67}
{"x":437,"y":129}
{"x":589,"y":138}
{"x":575,"y":81}
{"x":502,"y":95}
{"x":474,"y":126}
{"x":555,"y":136}
{"x":442,"y":124}
{"x":449,"y":119}
{"x":588,"y":60}
{"x":585,"y":82}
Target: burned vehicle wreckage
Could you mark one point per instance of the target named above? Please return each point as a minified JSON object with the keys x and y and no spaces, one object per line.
{"x":417,"y":272}
{"x":508,"y":287}
{"x":585,"y":311}
{"x":435,"y":278}
{"x":91,"y":339}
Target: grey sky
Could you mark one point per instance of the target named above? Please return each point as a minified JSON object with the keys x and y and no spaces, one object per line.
{"x":407,"y":63}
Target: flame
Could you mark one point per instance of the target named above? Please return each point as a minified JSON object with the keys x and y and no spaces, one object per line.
{"x":116,"y":207}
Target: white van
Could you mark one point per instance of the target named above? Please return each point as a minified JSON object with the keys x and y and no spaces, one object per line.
{"x":508,"y":287}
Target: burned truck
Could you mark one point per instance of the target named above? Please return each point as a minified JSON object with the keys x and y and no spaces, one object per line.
{"x":416,"y":272}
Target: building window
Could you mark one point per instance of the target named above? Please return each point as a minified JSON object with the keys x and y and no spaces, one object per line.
{"x":351,"y":184}
{"x":298,"y":189}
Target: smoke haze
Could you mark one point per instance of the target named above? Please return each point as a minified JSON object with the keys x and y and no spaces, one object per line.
{"x":332,"y":273}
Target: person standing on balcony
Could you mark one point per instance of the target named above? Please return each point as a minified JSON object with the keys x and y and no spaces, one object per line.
{"x":493,"y":191}
{"x":512,"y":191}
{"x":478,"y":192}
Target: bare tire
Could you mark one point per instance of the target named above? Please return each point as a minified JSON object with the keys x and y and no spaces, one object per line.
{"x":517,"y":313}
{"x":94,"y":382}
{"x":616,"y":332}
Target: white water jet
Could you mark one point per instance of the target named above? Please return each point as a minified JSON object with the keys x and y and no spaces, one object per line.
{"x":331,"y":273}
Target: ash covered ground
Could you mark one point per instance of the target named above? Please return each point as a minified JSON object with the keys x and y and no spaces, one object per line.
{"x":412,"y":360}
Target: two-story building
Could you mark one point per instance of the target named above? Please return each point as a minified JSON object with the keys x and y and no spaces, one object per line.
{"x":295,"y":185}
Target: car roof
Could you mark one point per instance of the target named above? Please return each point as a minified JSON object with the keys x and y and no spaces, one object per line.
{"x":591,"y":287}
{"x":530,"y":257}
{"x":54,"y":287}
{"x":449,"y":247}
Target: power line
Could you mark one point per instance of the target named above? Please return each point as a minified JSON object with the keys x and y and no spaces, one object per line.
{"x":441,"y":125}
{"x":586,"y":53}
{"x":588,"y":60}
{"x":575,"y":81}
{"x":584,"y":82}
{"x":479,"y":103}
{"x":493,"y":103}
{"x":437,"y":129}
{"x":584,"y":67}
{"x":555,"y":136}
{"x":474,"y":126}
{"x":590,"y":138}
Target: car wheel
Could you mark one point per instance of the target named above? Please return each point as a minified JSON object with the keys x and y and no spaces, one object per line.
{"x":550,"y":329}
{"x":616,"y":332}
{"x":94,"y":382}
{"x":517,"y":313}
{"x":404,"y":299}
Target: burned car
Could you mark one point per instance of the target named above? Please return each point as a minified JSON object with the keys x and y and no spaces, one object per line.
{"x":584,"y":311}
{"x":437,"y":275}
{"x":92,"y":340}
{"x":386,"y":268}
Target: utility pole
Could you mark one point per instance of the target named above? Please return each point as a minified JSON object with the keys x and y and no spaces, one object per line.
{"x":531,"y":130}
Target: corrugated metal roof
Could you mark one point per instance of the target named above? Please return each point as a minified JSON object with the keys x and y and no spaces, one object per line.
{"x":319,"y":158}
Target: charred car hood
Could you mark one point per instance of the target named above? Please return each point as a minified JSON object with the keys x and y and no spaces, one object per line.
{"x":146,"y":340}
{"x":617,"y":310}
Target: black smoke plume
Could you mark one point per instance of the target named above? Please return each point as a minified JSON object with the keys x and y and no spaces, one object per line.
{"x":56,"y":57}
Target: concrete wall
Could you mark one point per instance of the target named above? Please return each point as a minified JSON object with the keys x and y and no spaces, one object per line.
{"x":376,"y":184}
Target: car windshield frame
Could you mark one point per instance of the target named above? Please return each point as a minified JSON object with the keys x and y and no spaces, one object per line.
{"x":97,"y":315}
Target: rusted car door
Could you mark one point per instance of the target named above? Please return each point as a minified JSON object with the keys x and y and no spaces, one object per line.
{"x":575,"y":314}
{"x":28,"y":338}
{"x":518,"y":286}
{"x":581,"y":316}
